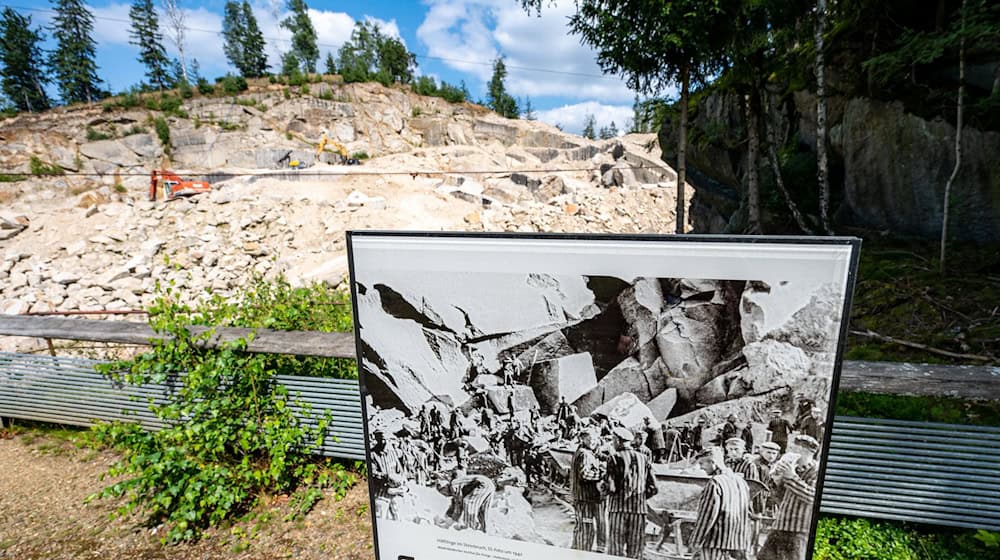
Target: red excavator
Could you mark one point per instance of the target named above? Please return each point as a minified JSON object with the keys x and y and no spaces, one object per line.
{"x":174,"y":186}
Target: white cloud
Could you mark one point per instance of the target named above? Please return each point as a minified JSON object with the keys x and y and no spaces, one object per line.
{"x":571,"y":117}
{"x":480,"y":30}
{"x":111,"y":24}
{"x":390,"y":28}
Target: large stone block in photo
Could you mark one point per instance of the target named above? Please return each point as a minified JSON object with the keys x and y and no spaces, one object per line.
{"x":772,"y":364}
{"x":627,"y":377}
{"x":569,"y":377}
{"x":663,"y":404}
{"x":627,"y":409}
{"x":524,"y":398}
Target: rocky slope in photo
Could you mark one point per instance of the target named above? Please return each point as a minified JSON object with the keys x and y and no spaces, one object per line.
{"x":657,"y":347}
{"x":89,"y":239}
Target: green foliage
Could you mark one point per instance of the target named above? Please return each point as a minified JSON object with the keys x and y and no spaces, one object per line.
{"x":41,"y":168}
{"x":5,"y":178}
{"x":145,"y":34}
{"x":171,"y":106}
{"x":184,"y":89}
{"x":426,"y":85}
{"x":331,"y":65}
{"x":920,"y":409}
{"x":230,"y":433}
{"x":162,"y":132}
{"x":360,"y":155}
{"x":304,"y":90}
{"x":120,"y":188}
{"x":863,"y":539}
{"x":93,"y":135}
{"x":204,"y":87}
{"x":22,"y":64}
{"x":497,"y":97}
{"x":303,"y":35}
{"x":243,"y":42}
{"x":231,"y":85}
{"x":73,"y":61}
{"x":588,"y":127}
{"x":371,"y":55}
{"x":246,"y":101}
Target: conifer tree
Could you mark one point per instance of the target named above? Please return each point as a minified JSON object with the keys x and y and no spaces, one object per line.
{"x":253,"y":45}
{"x":22,"y":63}
{"x":497,"y":97}
{"x":145,"y":34}
{"x":303,"y":35}
{"x":588,"y":127}
{"x":331,"y":66}
{"x":612,"y":130}
{"x":73,"y":60}
{"x":243,"y":42}
{"x":529,"y":111}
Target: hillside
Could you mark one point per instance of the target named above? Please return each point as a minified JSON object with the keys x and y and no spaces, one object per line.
{"x":90,"y":239}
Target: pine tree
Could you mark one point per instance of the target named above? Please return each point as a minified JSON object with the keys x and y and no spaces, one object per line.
{"x":529,"y":111}
{"x":254,"y":45}
{"x":331,"y":66}
{"x":604,"y":134}
{"x":497,"y":97}
{"x":612,"y":130}
{"x":145,"y":34}
{"x":303,"y":35}
{"x":21,"y":63}
{"x":588,"y":127}
{"x":233,"y":34}
{"x":73,"y":59}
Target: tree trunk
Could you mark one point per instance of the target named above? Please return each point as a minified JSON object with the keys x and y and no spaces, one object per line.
{"x":958,"y":147}
{"x":780,"y":181}
{"x":753,"y":155}
{"x":822,"y":177}
{"x":682,"y":149}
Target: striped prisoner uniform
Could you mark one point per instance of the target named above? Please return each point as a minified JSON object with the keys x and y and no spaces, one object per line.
{"x":476,"y":495}
{"x":793,"y":516}
{"x":629,"y":476}
{"x":386,"y":472}
{"x":585,"y":473}
{"x":723,"y":526}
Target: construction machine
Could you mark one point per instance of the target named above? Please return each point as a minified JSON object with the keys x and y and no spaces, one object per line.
{"x":345,"y":156}
{"x":173,"y":186}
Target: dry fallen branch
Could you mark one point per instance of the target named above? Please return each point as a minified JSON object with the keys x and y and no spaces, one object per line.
{"x":872,"y":334}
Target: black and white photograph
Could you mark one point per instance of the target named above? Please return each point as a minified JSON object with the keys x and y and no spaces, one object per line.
{"x":545,"y":400}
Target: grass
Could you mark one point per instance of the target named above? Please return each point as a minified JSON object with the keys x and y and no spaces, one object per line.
{"x":4,"y":178}
{"x":901,"y":294}
{"x":93,"y":135}
{"x":41,"y":168}
{"x":920,"y":409}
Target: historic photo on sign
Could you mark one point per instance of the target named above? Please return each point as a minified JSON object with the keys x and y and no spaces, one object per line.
{"x":626,"y":415}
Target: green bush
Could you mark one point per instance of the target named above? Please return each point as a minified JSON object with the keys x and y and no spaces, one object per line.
{"x":304,"y":90}
{"x":4,"y":178}
{"x":204,"y":87}
{"x":231,"y":85}
{"x":162,"y":131}
{"x":360,"y":155}
{"x":41,"y":168}
{"x":863,"y":539}
{"x":230,"y":436}
{"x":185,"y":90}
{"x":94,"y":135}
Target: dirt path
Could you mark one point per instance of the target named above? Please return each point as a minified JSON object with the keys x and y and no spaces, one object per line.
{"x":44,"y":482}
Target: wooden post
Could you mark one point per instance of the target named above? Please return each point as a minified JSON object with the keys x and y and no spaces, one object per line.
{"x":52,"y":347}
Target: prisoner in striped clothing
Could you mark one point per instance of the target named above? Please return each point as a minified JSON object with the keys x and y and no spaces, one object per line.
{"x":722,"y":529}
{"x":629,"y":482}
{"x":793,"y":516}
{"x":471,"y":496}
{"x":386,"y":477}
{"x":586,"y":471}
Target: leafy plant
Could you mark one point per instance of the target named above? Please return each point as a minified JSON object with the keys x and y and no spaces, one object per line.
{"x":360,"y":155}
{"x":863,"y":539}
{"x":41,"y":168}
{"x":162,"y":131}
{"x":94,"y":135}
{"x":230,"y":434}
{"x":4,"y":178}
{"x":231,"y":85}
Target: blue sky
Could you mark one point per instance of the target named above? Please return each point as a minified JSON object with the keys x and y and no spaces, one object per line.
{"x":454,"y":40}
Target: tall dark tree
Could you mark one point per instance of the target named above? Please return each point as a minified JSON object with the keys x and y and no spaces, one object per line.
{"x":655,"y":44}
{"x":22,"y":63}
{"x":331,"y":64}
{"x":73,"y":60}
{"x":395,"y":63}
{"x":303,"y":35}
{"x":145,"y":34}
{"x":497,"y":97}
{"x":529,"y":111}
{"x":243,"y":42}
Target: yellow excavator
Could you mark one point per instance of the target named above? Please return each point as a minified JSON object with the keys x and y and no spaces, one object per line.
{"x":345,"y":156}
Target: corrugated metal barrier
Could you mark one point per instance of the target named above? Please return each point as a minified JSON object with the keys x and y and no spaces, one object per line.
{"x":940,"y":474}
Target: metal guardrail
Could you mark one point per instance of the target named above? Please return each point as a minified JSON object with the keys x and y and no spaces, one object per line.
{"x":941,"y":474}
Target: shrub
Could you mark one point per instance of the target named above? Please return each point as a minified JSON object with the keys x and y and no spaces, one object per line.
{"x":172,"y":106}
{"x":4,"y":178}
{"x":204,"y":87}
{"x":94,"y":135}
{"x":863,"y":539}
{"x":162,"y":131}
{"x":230,"y":435}
{"x":231,"y":85}
{"x":185,"y":90}
{"x":287,"y":94}
{"x":40,"y":168}
{"x":360,"y":155}
{"x":120,"y":188}
{"x":304,"y":90}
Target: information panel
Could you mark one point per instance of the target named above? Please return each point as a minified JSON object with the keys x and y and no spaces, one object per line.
{"x":586,"y":397}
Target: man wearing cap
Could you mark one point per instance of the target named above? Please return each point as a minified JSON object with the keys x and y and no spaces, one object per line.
{"x":793,"y":516}
{"x":629,"y":483}
{"x":722,"y":530}
{"x":763,"y":462}
{"x":779,"y":428}
{"x":386,"y":476}
{"x":586,"y":471}
{"x":735,"y":449}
